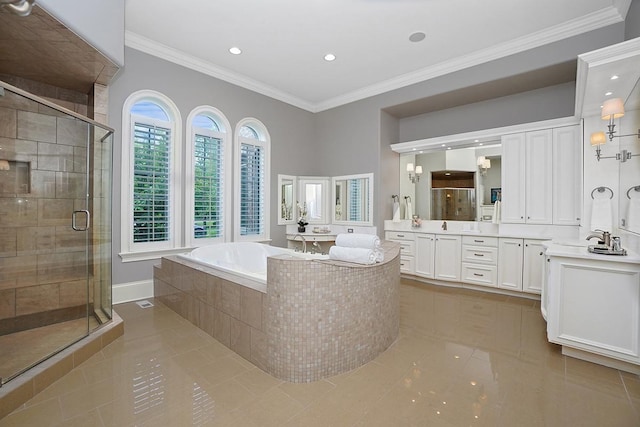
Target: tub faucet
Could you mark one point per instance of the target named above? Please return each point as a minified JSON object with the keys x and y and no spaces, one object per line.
{"x":444,"y":225}
{"x":304,"y":242}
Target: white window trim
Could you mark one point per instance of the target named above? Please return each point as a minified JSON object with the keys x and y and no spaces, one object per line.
{"x":225,"y":136}
{"x":264,"y":142}
{"x":130,"y":251}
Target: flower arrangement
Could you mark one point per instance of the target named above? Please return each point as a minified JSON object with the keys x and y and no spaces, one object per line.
{"x":302,"y":220}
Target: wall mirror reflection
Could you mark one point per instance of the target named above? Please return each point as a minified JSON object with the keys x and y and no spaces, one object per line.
{"x":313,"y":199}
{"x":352,"y":199}
{"x":286,"y":192}
{"x":460,"y":184}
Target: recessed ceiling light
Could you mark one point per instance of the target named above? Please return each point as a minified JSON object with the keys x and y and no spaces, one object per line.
{"x":418,"y":36}
{"x":329,"y":57}
{"x":608,"y":93}
{"x":480,"y":144}
{"x":614,"y":77}
{"x":414,"y":149}
{"x":448,"y":148}
{"x":444,"y":145}
{"x":235,"y":50}
{"x":476,"y":140}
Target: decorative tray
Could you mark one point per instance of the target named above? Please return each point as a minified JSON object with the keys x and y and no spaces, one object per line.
{"x":605,"y":250}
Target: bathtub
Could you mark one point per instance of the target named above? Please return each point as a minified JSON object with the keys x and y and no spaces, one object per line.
{"x":244,"y":263}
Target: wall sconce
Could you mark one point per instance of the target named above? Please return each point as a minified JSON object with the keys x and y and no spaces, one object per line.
{"x":483,"y":165}
{"x":611,"y":109}
{"x":414,"y":177}
{"x":4,"y":165}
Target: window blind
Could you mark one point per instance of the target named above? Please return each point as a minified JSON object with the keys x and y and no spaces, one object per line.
{"x":252,"y":203}
{"x":151,"y":172}
{"x":355,"y":205}
{"x":209,"y":183}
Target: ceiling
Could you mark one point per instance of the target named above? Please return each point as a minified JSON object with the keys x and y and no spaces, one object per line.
{"x":283,"y":42}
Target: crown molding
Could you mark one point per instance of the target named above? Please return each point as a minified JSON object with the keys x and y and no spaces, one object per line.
{"x":590,"y":22}
{"x":143,"y":44}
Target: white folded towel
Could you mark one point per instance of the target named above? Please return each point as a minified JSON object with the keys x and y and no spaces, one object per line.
{"x":408,"y":211}
{"x":358,"y":240}
{"x":356,"y":255}
{"x":497,"y":207}
{"x":633,"y":214}
{"x":602,"y":215}
{"x":396,"y":212}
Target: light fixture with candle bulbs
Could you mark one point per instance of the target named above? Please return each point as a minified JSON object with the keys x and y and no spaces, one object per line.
{"x":611,"y":109}
{"x":414,"y":177}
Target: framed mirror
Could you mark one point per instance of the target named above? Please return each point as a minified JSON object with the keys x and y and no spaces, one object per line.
{"x":314,"y":198}
{"x":286,"y":192}
{"x":352,"y":199}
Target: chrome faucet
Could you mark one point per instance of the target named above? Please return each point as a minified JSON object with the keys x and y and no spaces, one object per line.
{"x":444,"y":225}
{"x":304,"y":242}
{"x":316,"y":247}
{"x":602,"y":236}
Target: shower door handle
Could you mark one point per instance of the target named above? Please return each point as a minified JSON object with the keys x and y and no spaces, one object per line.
{"x":87,"y":222}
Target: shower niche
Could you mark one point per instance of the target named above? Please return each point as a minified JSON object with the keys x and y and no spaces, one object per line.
{"x":55,"y":229}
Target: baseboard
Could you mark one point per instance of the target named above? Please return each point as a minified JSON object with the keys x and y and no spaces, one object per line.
{"x":132,"y":291}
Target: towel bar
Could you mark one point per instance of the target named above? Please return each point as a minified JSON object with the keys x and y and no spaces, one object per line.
{"x":601,"y":190}
{"x":636,"y":188}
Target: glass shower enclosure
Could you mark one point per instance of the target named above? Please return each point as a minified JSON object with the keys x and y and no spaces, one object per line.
{"x":55,"y":229}
{"x":457,"y":204}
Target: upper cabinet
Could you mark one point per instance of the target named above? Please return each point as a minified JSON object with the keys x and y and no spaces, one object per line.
{"x":542,"y":177}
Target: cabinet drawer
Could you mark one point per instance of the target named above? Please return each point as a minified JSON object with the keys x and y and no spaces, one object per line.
{"x":480,"y":241}
{"x":407,"y":247}
{"x":485,"y":275}
{"x":480,"y":254}
{"x":406,"y":264}
{"x":399,"y":235}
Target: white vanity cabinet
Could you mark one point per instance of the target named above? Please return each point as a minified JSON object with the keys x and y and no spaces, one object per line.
{"x":521,"y":265}
{"x":538,"y":176}
{"x":513,"y":178}
{"x":480,"y":260}
{"x":447,"y":257}
{"x":407,"y":249}
{"x":425,"y":255}
{"x":594,"y":307}
{"x":567,"y":175}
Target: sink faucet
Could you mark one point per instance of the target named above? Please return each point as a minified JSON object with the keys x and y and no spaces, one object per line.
{"x":602,"y":236}
{"x":304,"y":242}
{"x":444,"y":225}
{"x":316,"y":247}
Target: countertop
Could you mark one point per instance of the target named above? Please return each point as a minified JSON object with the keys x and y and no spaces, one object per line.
{"x":578,"y":249}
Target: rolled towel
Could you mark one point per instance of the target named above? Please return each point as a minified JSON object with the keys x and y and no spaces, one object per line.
{"x":496,"y":212}
{"x":408,"y":211}
{"x":355,"y":255}
{"x":602,"y":215}
{"x":356,"y":240}
{"x":379,"y":254}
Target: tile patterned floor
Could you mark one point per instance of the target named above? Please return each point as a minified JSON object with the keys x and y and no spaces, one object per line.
{"x":463,"y":358}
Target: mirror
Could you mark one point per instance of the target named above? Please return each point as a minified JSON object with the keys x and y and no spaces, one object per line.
{"x":352,"y":199}
{"x":286,"y":190}
{"x":456,"y":184}
{"x":313,"y":197}
{"x":629,"y":173}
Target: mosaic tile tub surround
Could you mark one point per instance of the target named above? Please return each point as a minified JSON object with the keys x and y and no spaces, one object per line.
{"x":317,"y":318}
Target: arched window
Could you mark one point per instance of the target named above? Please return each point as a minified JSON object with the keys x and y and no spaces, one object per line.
{"x":208,"y":178}
{"x":150,"y":175}
{"x":253,"y":159}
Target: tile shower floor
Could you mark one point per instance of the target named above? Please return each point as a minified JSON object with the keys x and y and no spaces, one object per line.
{"x":20,"y":350}
{"x":463,"y":358}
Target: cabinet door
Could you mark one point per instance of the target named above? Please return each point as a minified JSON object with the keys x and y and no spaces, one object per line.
{"x":513,"y":178}
{"x":567,"y":175}
{"x":539,"y":174}
{"x":447,"y":258}
{"x":425,"y":245}
{"x":510,"y":264}
{"x":533,"y":271}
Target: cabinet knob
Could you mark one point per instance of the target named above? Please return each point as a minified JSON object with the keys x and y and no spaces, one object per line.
{"x":541,"y":253}
{"x":527,"y":245}
{"x":521,"y":217}
{"x":528,"y":217}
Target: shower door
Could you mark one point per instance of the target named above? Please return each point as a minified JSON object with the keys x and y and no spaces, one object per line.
{"x":55,"y":238}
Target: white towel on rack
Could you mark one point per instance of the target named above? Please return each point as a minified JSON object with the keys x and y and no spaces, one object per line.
{"x":633,"y":214}
{"x":358,"y":240}
{"x":396,"y":212}
{"x":408,"y":214}
{"x":601,"y":214}
{"x":356,"y":255}
{"x":497,"y":208}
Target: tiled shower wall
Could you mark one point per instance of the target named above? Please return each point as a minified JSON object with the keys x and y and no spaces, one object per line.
{"x":42,"y":260}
